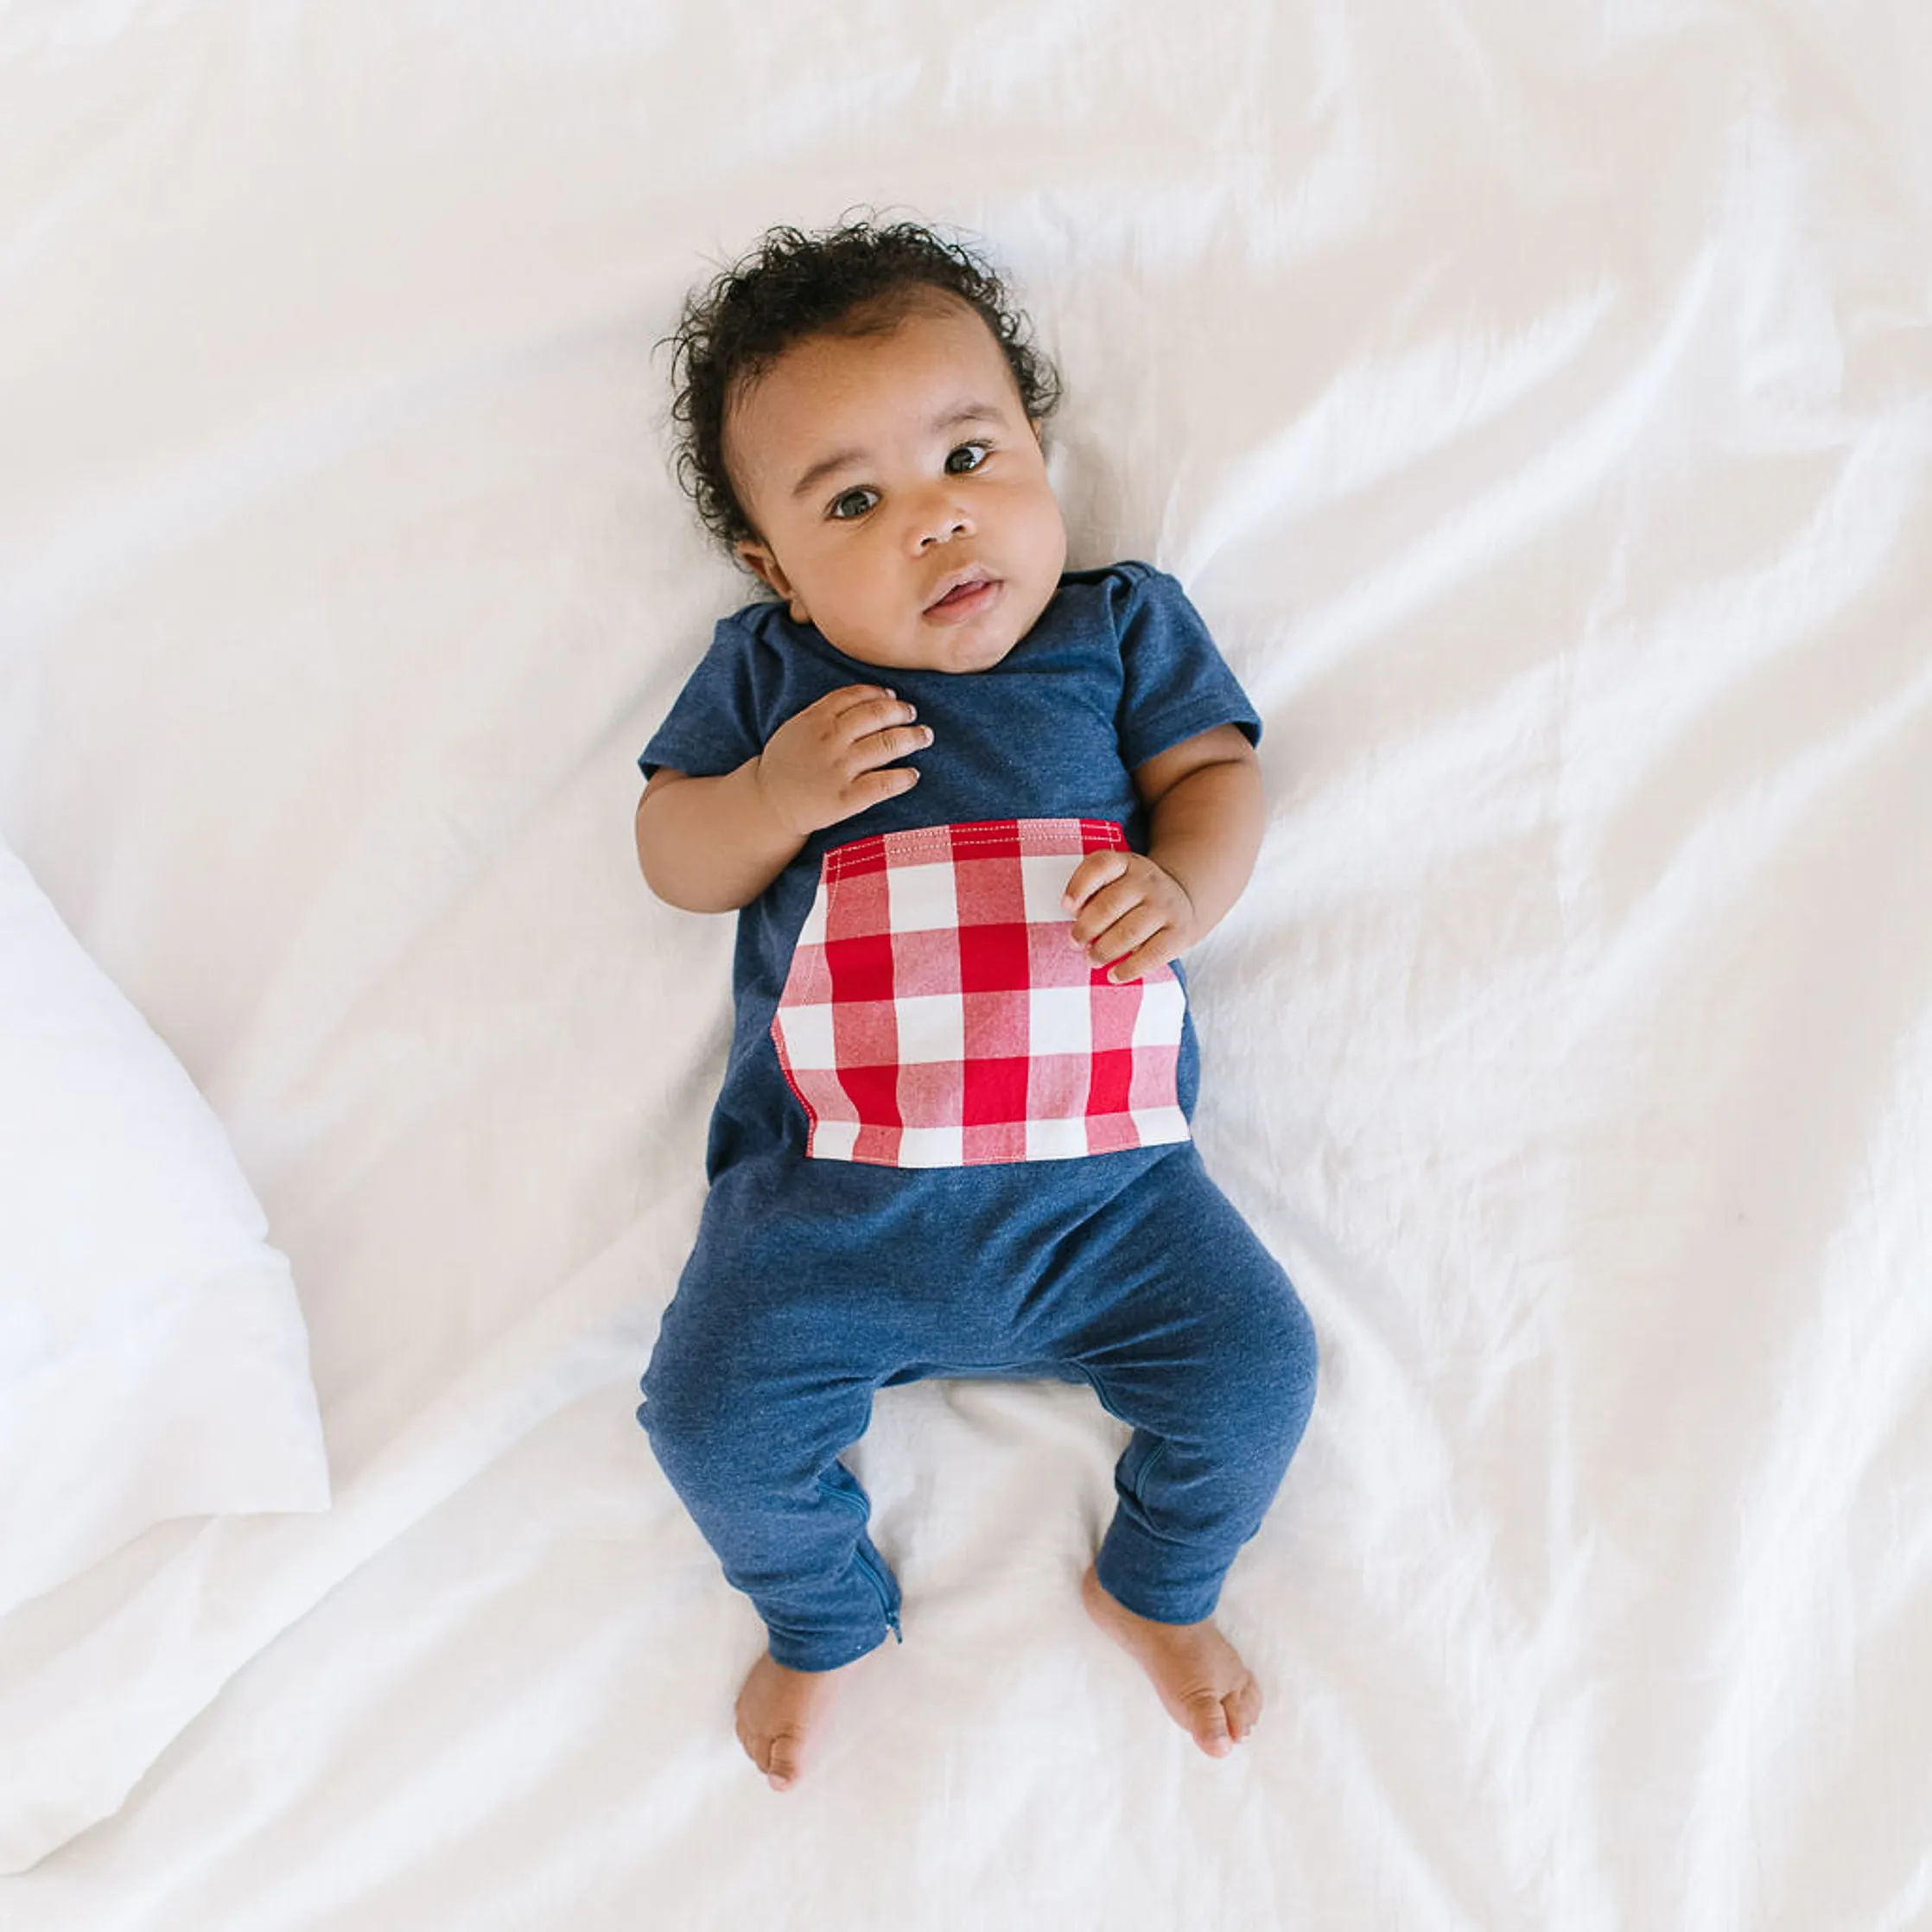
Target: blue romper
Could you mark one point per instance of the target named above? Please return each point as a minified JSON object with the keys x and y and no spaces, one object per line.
{"x":945,"y":1147}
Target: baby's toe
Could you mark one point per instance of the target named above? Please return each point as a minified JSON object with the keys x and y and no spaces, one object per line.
{"x":1207,"y":1721}
{"x":780,"y":1763}
{"x":1243,"y":1707}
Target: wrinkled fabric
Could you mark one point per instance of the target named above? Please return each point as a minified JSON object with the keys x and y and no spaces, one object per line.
{"x":1534,"y":401}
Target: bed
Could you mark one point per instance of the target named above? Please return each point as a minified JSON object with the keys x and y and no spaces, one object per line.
{"x":1537,"y":402}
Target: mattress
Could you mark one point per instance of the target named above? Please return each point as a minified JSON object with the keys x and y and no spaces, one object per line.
{"x":1537,"y":403}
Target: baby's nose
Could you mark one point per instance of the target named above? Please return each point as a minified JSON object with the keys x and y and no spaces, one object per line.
{"x":939,"y":523}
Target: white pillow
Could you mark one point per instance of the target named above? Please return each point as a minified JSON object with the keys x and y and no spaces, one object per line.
{"x":152,"y":1359}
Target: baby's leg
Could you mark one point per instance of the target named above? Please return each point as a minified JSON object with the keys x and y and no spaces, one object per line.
{"x":748,"y":1410}
{"x":1198,"y":1340}
{"x":791,"y":1535}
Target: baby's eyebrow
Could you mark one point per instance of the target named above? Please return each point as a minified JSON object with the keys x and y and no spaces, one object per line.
{"x":826,"y":466}
{"x":950,"y":418}
{"x":967,"y":412}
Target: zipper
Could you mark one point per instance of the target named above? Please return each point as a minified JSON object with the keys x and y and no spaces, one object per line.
{"x":868,"y":1567}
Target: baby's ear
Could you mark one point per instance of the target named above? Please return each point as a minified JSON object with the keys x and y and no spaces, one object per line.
{"x":759,"y":559}
{"x":763,"y":565}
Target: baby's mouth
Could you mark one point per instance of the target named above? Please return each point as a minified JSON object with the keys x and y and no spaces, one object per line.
{"x":960,"y":595}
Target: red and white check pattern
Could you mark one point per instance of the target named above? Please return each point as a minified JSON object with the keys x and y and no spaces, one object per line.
{"x":937,"y":1014}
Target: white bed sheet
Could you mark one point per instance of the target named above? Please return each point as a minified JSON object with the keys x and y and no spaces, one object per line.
{"x":1538,"y":402}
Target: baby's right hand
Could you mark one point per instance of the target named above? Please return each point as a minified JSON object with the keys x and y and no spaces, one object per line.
{"x":829,"y":761}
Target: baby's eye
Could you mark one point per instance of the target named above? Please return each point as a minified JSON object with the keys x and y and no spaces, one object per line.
{"x":968,"y":456}
{"x":853,"y":503}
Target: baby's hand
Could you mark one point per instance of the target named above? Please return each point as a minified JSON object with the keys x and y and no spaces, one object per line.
{"x":1129,"y":910}
{"x":825,"y":763}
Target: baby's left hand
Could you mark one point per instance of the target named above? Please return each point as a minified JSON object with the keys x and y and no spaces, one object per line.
{"x":1130,"y":911}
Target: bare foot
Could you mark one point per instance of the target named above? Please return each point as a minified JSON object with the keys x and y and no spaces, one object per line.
{"x":778,"y":1710}
{"x":1209,"y":1691}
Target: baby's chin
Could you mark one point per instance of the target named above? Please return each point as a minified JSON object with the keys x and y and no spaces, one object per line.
{"x":933,"y":647}
{"x":965,"y":654}
{"x":983,"y":644}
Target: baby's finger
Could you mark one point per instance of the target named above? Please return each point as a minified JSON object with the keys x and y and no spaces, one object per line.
{"x":1096,"y":870}
{"x":873,"y":788}
{"x":859,"y":721}
{"x":884,"y":747}
{"x":1105,"y":909}
{"x":847,"y":697}
{"x":862,"y":724}
{"x":1120,"y":940}
{"x":1150,"y":954}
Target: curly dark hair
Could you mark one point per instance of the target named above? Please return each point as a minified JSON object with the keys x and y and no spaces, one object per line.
{"x":857,"y":278}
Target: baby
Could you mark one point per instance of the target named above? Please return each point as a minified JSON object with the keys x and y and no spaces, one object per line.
{"x":968,"y":806}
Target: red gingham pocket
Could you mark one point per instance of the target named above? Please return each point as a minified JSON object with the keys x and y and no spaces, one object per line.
{"x":936,"y":1016}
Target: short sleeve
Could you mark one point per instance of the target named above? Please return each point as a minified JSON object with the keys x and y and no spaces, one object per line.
{"x":1177,"y":683}
{"x":714,"y":726}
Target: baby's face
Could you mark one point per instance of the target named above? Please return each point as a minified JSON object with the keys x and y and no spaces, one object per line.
{"x":898,"y":491}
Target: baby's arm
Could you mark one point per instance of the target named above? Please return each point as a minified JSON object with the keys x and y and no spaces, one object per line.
{"x":713,"y":844}
{"x":1205,"y":814}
